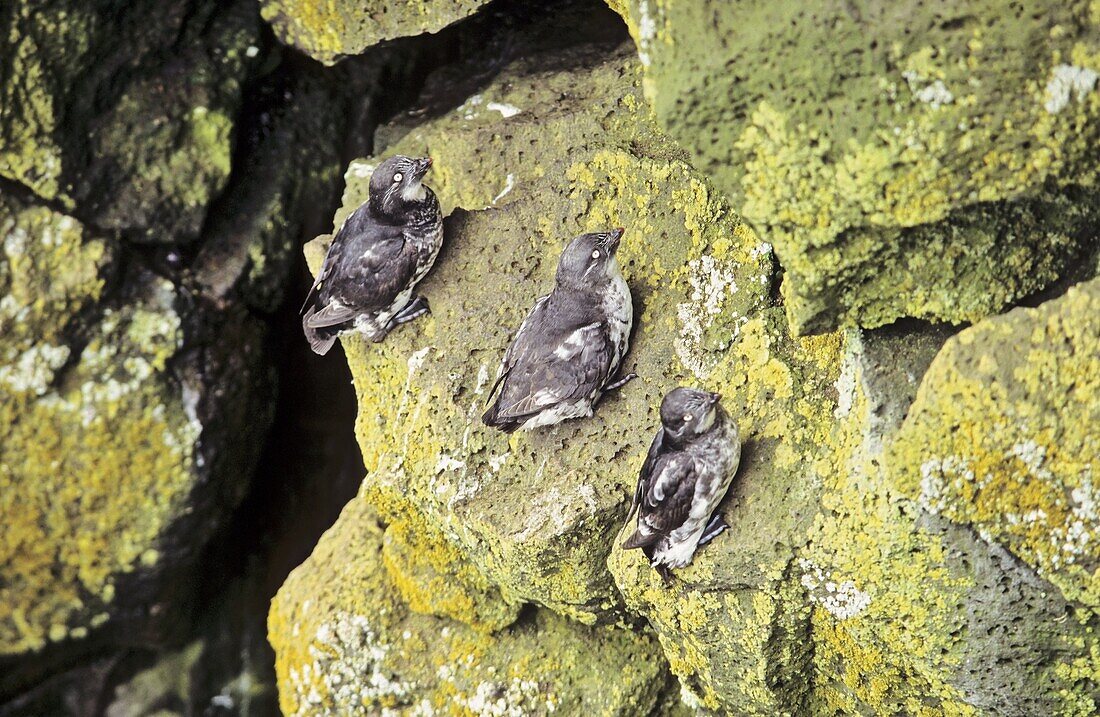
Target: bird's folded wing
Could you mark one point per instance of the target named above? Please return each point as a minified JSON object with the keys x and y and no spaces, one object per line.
{"x":547,"y":374}
{"x":332,"y":257}
{"x":331,"y":315}
{"x":520,"y":339}
{"x":647,"y":470}
{"x":668,"y":495}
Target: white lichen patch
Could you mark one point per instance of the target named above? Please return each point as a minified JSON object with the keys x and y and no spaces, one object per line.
{"x":517,"y":698}
{"x":842,"y":600}
{"x":689,"y":699}
{"x":346,"y":674}
{"x":360,"y":169}
{"x":471,"y":107}
{"x":497,"y":462}
{"x":554,"y":511}
{"x":1066,"y":83}
{"x":712,"y":282}
{"x":647,"y":32}
{"x":33,"y":370}
{"x":939,"y":477}
{"x":846,"y":385}
{"x":933,"y":93}
{"x":1032,"y":455}
{"x":506,"y":110}
{"x":1074,"y":537}
{"x":448,"y":463}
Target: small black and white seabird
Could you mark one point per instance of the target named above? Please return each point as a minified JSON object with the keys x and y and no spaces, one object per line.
{"x":687,"y":472}
{"x":567,"y":352}
{"x":384,"y":248}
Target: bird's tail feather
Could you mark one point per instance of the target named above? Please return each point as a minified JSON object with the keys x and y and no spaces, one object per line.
{"x":640,"y":540}
{"x":491,"y":417}
{"x":320,"y":340}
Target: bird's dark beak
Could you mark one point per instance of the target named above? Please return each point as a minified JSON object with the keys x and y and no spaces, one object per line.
{"x":422,"y":166}
{"x":715,"y":398}
{"x":614,"y":237}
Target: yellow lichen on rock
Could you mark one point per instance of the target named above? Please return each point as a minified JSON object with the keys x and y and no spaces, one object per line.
{"x":1002,"y":437}
{"x":91,"y":473}
{"x":347,"y":644}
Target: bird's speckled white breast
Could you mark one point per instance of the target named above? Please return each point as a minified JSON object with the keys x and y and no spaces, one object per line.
{"x":620,"y":311}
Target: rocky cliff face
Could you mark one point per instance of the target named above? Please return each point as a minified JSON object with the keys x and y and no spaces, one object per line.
{"x":873,"y":229}
{"x":151,"y":199}
{"x":908,"y":522}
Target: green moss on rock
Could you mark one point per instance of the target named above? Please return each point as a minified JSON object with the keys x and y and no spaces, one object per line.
{"x":93,"y":471}
{"x":113,"y":467}
{"x":347,"y":644}
{"x":1003,"y":437}
{"x":929,"y":162}
{"x":696,"y":272}
{"x":122,"y":111}
{"x":327,"y":30}
{"x":51,"y":270}
{"x":831,"y":593}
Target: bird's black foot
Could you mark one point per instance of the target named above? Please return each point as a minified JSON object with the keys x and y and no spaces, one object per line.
{"x":714,"y":528}
{"x":665,"y":572}
{"x":417,"y":307}
{"x":620,"y":383}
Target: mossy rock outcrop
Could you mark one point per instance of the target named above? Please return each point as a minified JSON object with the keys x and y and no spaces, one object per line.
{"x":331,"y":29}
{"x":932,"y":160}
{"x":123,"y":112}
{"x":348,"y":644}
{"x":832,"y":593}
{"x":546,"y":169}
{"x":135,"y":393}
{"x":114,"y":465}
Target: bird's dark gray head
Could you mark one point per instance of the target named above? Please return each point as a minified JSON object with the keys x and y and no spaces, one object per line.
{"x":589,"y":259}
{"x":689,"y":412}
{"x":395,"y":186}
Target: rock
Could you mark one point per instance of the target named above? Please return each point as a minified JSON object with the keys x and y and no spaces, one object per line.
{"x":347,"y":644}
{"x":932,"y":162}
{"x":910,"y":609}
{"x":117,"y":416}
{"x":1001,"y":439}
{"x":331,"y":30}
{"x":831,"y":593}
{"x":123,"y":112}
{"x":600,"y":163}
{"x":282,"y":190}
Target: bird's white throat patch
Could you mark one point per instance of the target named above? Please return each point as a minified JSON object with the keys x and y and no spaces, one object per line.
{"x":414,"y":193}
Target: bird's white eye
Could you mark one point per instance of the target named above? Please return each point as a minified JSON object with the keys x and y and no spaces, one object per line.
{"x":688,"y":417}
{"x":596,"y":254}
{"x":398,"y":177}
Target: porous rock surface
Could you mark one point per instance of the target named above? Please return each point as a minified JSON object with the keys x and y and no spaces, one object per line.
{"x":837,"y":589}
{"x":908,"y":159}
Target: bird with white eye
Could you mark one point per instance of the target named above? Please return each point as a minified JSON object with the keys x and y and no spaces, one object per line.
{"x":378,"y":256}
{"x":567,"y":352}
{"x":685,"y":476}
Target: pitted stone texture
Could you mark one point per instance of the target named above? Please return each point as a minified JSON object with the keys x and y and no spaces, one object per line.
{"x":347,"y":644}
{"x":933,"y":160}
{"x":327,"y":30}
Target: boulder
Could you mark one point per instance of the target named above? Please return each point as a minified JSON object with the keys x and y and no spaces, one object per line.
{"x":347,"y":643}
{"x":933,"y":160}
{"x":123,"y":113}
{"x":117,"y":417}
{"x":330,"y":30}
{"x":833,"y":592}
